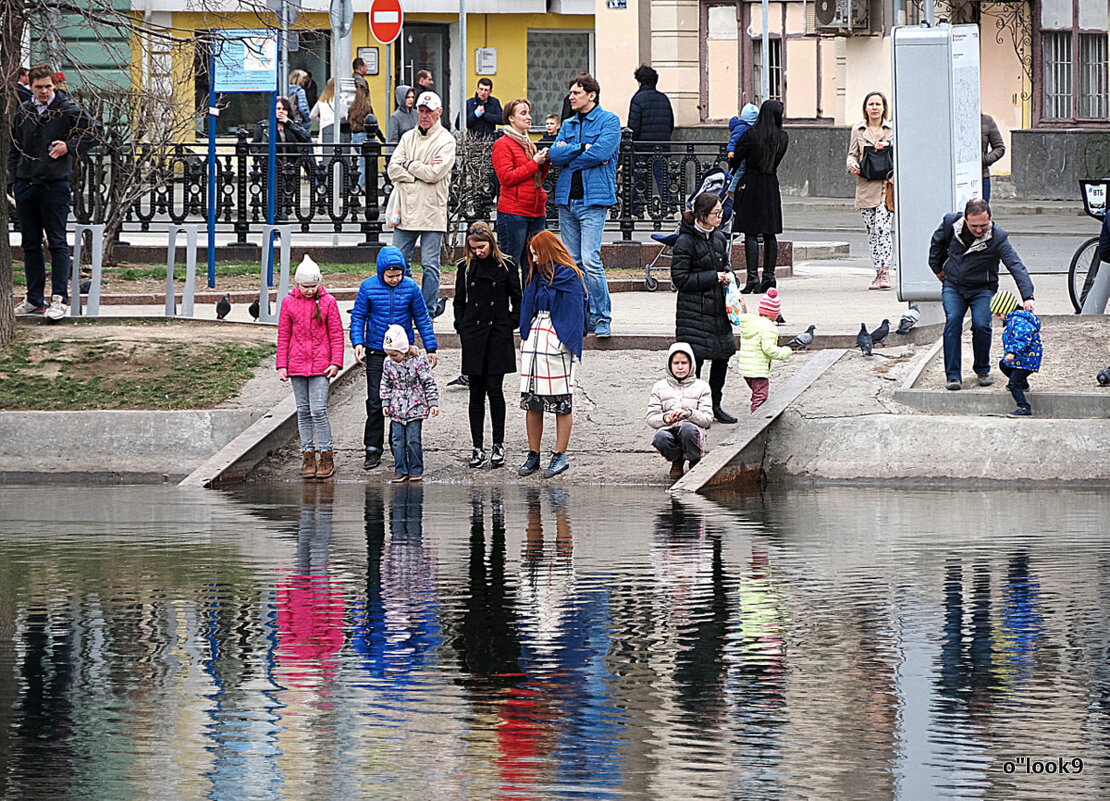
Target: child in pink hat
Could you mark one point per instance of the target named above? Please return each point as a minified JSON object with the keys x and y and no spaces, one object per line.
{"x":759,"y":345}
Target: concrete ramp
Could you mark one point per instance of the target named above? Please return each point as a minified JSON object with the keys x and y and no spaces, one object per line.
{"x":725,"y":463}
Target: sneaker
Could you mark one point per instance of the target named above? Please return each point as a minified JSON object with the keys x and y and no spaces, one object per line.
{"x":985,"y":380}
{"x":441,"y":307}
{"x":416,"y":477}
{"x":461,"y":381}
{"x":954,"y":384}
{"x":26,"y":307}
{"x":1021,"y":411}
{"x":57,"y":310}
{"x":497,"y":459}
{"x":399,"y":478}
{"x":676,"y":469}
{"x":721,"y":416}
{"x":877,"y":283}
{"x":531,"y":464}
{"x":373,"y":459}
{"x":602,"y":331}
{"x":884,"y":280}
{"x":477,"y":458}
{"x":559,"y":464}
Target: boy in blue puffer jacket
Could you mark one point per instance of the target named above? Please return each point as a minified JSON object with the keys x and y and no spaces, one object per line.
{"x":389,"y":297}
{"x":737,"y":127}
{"x":1021,"y":342}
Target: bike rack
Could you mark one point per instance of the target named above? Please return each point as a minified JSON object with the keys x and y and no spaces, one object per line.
{"x":189,"y":292}
{"x":96,"y":232}
{"x":285,"y":236}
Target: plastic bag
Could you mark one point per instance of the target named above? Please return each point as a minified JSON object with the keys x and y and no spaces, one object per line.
{"x":393,"y":209}
{"x":734,"y":302}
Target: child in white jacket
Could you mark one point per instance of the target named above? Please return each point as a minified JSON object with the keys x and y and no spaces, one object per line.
{"x":681,"y":406}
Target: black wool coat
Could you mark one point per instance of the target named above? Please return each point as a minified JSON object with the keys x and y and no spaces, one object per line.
{"x":700,"y":316}
{"x":487,"y":313}
{"x":758,"y":206}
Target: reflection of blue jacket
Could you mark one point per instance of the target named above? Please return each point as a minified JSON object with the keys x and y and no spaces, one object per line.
{"x":601,"y":130}
{"x":378,"y":306}
{"x":1022,"y":338}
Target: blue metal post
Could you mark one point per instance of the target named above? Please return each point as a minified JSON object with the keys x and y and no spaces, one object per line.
{"x":211,"y":170}
{"x":271,"y":177}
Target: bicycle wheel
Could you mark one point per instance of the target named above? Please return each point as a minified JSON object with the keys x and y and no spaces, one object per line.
{"x":1082,"y":272}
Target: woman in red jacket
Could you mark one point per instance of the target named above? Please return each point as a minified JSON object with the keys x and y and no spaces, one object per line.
{"x":520,"y":168}
{"x":310,"y":353}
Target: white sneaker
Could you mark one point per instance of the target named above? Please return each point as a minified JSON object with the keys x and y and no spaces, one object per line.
{"x":26,"y":307}
{"x":57,"y":310}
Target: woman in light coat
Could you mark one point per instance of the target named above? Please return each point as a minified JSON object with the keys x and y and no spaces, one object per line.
{"x":875,"y":130}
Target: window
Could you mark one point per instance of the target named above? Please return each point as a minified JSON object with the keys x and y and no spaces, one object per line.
{"x":774,"y":51}
{"x":554,"y":57}
{"x":1092,"y":75}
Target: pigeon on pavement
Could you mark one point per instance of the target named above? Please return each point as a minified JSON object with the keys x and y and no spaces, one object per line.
{"x":863,"y":340}
{"x":223,"y":307}
{"x":254,"y":308}
{"x":879,"y":334}
{"x":86,"y":285}
{"x":909,"y":320}
{"x":1104,"y":377}
{"x":803,"y":340}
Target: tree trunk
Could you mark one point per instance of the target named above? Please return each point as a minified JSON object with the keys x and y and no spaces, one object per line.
{"x":11,"y":40}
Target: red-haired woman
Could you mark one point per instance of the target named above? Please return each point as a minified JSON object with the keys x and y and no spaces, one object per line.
{"x":552,"y":319}
{"x":520,"y":168}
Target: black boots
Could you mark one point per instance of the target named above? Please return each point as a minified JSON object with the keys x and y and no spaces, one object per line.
{"x":752,"y":284}
{"x":721,"y":416}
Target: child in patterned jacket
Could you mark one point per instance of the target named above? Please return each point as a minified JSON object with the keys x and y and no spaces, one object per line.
{"x":409,"y":395}
{"x":1021,"y":342}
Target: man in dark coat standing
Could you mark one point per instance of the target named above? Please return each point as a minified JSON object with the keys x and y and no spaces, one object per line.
{"x":49,"y":133}
{"x":483,"y":111}
{"x":652,"y":120}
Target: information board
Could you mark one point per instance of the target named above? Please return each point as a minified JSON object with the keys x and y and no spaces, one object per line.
{"x":246,"y":61}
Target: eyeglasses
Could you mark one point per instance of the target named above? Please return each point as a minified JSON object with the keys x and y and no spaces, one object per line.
{"x":716,"y":213}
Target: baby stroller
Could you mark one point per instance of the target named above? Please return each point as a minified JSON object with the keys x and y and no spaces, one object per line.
{"x":716,"y":182}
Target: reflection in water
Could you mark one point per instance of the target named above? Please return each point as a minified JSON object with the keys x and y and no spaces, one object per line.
{"x":537,"y":642}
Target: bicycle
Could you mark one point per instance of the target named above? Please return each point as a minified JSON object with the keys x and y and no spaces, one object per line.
{"x":1085,"y":261}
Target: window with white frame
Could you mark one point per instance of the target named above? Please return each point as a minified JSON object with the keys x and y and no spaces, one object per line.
{"x":1092,"y":75}
{"x":1073,"y":54}
{"x":774,"y":85}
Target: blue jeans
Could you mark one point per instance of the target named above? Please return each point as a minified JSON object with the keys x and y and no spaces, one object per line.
{"x":581,"y":227}
{"x":408,"y":451}
{"x":359,"y":139}
{"x":44,"y":208}
{"x":311,"y":394}
{"x":513,"y":233}
{"x":430,"y":243}
{"x":956,"y":302}
{"x":987,"y":189}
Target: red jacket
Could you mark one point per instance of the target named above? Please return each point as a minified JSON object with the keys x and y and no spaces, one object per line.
{"x":307,"y":346}
{"x":514,"y":170}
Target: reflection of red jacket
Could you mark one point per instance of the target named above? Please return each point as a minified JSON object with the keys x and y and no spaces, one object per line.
{"x":310,"y":624}
{"x":514,"y":167}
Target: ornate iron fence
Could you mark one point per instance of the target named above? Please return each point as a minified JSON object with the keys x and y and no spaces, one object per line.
{"x":318,"y":186}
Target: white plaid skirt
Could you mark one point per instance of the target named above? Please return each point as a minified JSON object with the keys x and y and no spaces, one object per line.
{"x":547,"y":367}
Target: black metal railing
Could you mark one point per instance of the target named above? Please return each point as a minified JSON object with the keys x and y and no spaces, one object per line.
{"x":317,"y":186}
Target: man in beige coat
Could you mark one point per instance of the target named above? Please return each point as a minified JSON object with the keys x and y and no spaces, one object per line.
{"x":420,"y":169}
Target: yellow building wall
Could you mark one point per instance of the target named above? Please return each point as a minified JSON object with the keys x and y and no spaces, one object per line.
{"x":1004,"y":86}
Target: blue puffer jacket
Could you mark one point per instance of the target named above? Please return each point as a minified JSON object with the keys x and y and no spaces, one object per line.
{"x":738,"y":126}
{"x":1022,"y":338}
{"x":379,"y":306}
{"x":598,"y":163}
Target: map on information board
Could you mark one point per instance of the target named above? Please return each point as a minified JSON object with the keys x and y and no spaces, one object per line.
{"x":246,"y":61}
{"x":966,"y":130}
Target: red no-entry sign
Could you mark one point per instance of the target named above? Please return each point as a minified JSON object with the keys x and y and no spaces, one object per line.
{"x":386,"y":17}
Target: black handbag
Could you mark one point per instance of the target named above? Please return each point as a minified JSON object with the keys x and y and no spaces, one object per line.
{"x":876,"y":165}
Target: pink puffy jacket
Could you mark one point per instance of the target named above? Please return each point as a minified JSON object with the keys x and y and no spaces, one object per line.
{"x":306,"y":346}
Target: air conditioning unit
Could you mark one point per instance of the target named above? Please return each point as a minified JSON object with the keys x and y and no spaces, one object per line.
{"x":844,"y":17}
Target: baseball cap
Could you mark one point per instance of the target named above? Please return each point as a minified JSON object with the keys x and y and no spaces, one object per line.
{"x":429,"y":99}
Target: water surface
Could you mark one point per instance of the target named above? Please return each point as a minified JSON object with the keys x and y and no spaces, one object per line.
{"x":436,"y":642}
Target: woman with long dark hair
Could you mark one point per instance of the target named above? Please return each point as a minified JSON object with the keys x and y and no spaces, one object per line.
{"x":759,"y":206}
{"x":700,"y":271}
{"x":552,"y":319}
{"x":487,"y":312}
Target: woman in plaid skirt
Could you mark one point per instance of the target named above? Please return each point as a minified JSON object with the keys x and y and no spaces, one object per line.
{"x":552,"y":319}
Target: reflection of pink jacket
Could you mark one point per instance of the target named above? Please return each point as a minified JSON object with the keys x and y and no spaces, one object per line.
{"x":307,"y":346}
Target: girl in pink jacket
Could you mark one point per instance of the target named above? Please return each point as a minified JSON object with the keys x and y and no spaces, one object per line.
{"x":309,"y":353}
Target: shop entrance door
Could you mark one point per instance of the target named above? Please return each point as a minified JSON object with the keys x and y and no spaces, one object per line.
{"x":426,"y":47}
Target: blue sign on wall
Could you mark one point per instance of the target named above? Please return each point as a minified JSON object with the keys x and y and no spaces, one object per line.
{"x":246,"y":61}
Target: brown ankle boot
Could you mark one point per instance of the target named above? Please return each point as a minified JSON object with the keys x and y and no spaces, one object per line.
{"x":676,"y":469}
{"x":327,"y":466}
{"x":309,"y":469}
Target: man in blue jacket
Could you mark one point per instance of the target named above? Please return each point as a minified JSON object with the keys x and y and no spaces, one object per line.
{"x":49,"y":133}
{"x":483,"y":111}
{"x":389,"y":297}
{"x":964,"y":254}
{"x":586,"y":150}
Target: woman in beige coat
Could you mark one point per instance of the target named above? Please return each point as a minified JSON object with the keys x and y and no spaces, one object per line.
{"x":876,"y":131}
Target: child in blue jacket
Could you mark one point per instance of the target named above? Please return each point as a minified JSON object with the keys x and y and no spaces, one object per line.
{"x":1021,"y":342}
{"x":389,"y":297}
{"x":737,"y":127}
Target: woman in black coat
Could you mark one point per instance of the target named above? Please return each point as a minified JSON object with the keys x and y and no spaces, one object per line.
{"x":759,"y":206}
{"x":487,"y":312}
{"x":700,"y":271}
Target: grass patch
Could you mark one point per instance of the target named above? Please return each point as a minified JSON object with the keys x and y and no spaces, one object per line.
{"x":74,"y":373}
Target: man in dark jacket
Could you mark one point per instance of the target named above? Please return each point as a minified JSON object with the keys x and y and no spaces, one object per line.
{"x":23,"y":87}
{"x":651,"y":119}
{"x":49,"y":133}
{"x":964,"y":253}
{"x":483,"y":111}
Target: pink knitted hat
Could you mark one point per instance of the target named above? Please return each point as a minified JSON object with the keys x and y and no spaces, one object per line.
{"x":770,"y":306}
